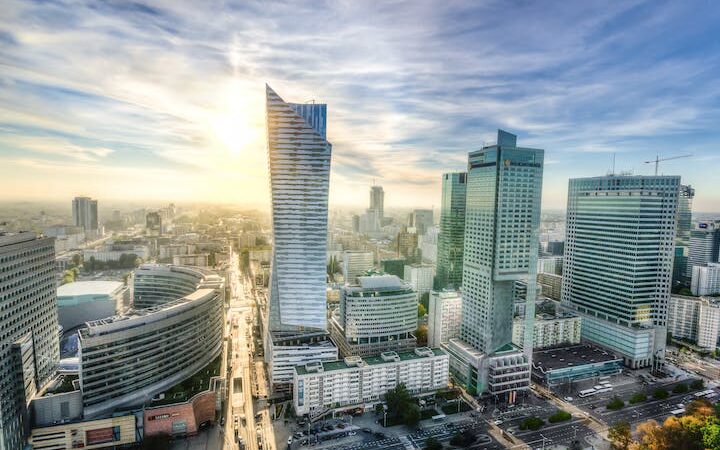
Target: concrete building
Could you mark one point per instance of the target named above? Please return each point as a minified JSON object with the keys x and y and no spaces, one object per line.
{"x":362,"y":382}
{"x":551,"y":285}
{"x":157,"y":284}
{"x":393,"y":267}
{"x":153,"y":223}
{"x":196,"y":259}
{"x":619,"y":261}
{"x":421,"y":220}
{"x":84,"y":301}
{"x":550,"y":264}
{"x":89,"y":434}
{"x":85,"y":213}
{"x":452,"y":231}
{"x":428,"y":244}
{"x":378,"y":314}
{"x":355,"y":264}
{"x":549,"y":330}
{"x":502,"y":220}
{"x":704,"y":246}
{"x":681,"y":271}
{"x":29,"y":348}
{"x":299,"y":163}
{"x":705,"y":280}
{"x":444,"y":317}
{"x":695,"y":319}
{"x":377,"y":201}
{"x":420,"y":277}
{"x":112,"y":252}
{"x":407,"y":244}
{"x":563,"y":366}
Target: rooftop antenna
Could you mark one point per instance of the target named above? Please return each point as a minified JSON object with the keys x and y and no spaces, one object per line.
{"x":657,"y":160}
{"x":612,"y":165}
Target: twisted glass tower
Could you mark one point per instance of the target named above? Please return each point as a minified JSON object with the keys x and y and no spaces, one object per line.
{"x":299,"y":165}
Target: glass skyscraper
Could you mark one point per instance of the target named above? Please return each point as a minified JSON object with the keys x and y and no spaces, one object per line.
{"x":452,"y":231}
{"x":681,"y":274}
{"x":618,"y":262}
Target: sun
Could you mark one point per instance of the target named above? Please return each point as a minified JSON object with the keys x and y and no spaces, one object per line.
{"x":237,"y":123}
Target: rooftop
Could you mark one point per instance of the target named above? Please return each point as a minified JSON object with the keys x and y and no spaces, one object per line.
{"x":576,"y":355}
{"x":89,"y":288}
{"x":419,"y":353}
{"x":380,"y":281}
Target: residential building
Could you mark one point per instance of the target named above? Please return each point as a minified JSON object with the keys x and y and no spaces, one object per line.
{"x":550,"y":264}
{"x":83,"y":301}
{"x":681,"y":271}
{"x":551,"y":285}
{"x":619,"y":262}
{"x":85,"y":213}
{"x":502,"y":220}
{"x":196,"y":259}
{"x":444,"y":317}
{"x":452,"y":231}
{"x":695,"y":319}
{"x":355,"y":264}
{"x":420,"y":278}
{"x":299,"y":163}
{"x":29,"y":348}
{"x":705,"y":280}
{"x":378,"y":314}
{"x":549,"y":330}
{"x":354,"y":381}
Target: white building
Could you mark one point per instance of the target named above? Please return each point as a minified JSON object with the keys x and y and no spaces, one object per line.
{"x":705,"y":280}
{"x":108,"y":254}
{"x":444,"y":317}
{"x":696,"y":319}
{"x":83,"y":301}
{"x":549,"y":330}
{"x":429,"y":245}
{"x":420,"y":277}
{"x":197,"y":260}
{"x":286,"y":356}
{"x":355,"y":264}
{"x":550,"y":264}
{"x":363,"y":381}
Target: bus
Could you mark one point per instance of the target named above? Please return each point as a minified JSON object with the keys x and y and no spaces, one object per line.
{"x":678,"y":412}
{"x":439,"y":418}
{"x":586,"y":393}
{"x":605,"y":378}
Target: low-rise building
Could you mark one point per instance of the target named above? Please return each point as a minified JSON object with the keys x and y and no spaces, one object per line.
{"x":694,"y":319}
{"x":557,"y":366}
{"x":549,"y":330}
{"x":83,"y":301}
{"x":363,"y":381}
{"x":196,"y":260}
{"x":551,"y":285}
{"x":355,"y":264}
{"x":89,"y":434}
{"x":444,"y":317}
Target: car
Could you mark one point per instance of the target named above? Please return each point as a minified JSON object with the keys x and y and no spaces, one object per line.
{"x":367,"y":430}
{"x":341,"y":425}
{"x":289,"y":440}
{"x":568,"y":399}
{"x":497,"y":422}
{"x":352,"y":433}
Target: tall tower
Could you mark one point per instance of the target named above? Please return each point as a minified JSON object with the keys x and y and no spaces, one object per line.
{"x":29,"y":348}
{"x":377,"y":201}
{"x":452,"y":231}
{"x":619,"y":261}
{"x":299,"y":163}
{"x":85,"y":213}
{"x":681,"y":274}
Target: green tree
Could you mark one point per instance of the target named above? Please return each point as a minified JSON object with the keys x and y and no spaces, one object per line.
{"x":411,"y":414}
{"x":421,"y":310}
{"x":559,"y":416}
{"x":432,"y":444}
{"x":660,"y":394}
{"x":638,"y":398}
{"x":397,"y":399}
{"x":697,"y":384}
{"x":77,"y":260}
{"x":532,"y":423}
{"x":680,"y":388}
{"x":421,"y":335}
{"x":620,"y":436}
{"x":615,"y":404}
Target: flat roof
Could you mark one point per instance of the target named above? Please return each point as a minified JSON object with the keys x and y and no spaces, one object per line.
{"x":573,"y":356}
{"x":89,"y":288}
{"x":369,"y":361}
{"x":380,"y":281}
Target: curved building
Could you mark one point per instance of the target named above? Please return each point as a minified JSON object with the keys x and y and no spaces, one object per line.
{"x":378,"y":315}
{"x":125,"y":360}
{"x":83,"y":301}
{"x":156,"y":284}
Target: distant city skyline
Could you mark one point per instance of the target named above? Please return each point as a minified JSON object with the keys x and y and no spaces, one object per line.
{"x":165,"y":101}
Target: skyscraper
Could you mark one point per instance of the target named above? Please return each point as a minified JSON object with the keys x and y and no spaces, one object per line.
{"x":502,"y":220}
{"x":422,"y":219}
{"x":681,"y":273}
{"x":377,"y":201}
{"x":85,"y":213}
{"x":29,"y":348}
{"x":299,"y":164}
{"x":704,"y":245}
{"x":619,"y":261}
{"x":452,"y":231}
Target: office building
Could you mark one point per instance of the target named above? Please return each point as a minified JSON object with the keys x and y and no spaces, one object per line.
{"x":354,"y":381}
{"x":90,"y":434}
{"x":420,"y":278}
{"x":355,"y":264}
{"x":549,"y":330}
{"x":153,"y":223}
{"x":83,"y":301}
{"x":502,"y":220}
{"x":29,"y":348}
{"x":550,"y":264}
{"x":393,"y":267}
{"x":407,"y":245}
{"x":369,"y":222}
{"x":695,"y":320}
{"x":355,"y":223}
{"x":85,"y":213}
{"x":681,"y":271}
{"x":551,"y":285}
{"x":444,"y":317}
{"x":452,"y":231}
{"x":704,"y":245}
{"x":562,"y":366}
{"x":299,"y":163}
{"x":619,"y":262}
{"x":421,"y":220}
{"x":705,"y":279}
{"x":377,"y":201}
{"x":157,"y":284}
{"x":378,"y":314}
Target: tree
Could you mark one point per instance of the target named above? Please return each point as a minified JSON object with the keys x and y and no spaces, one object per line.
{"x":77,"y":259}
{"x":421,"y":310}
{"x":620,"y":436}
{"x":559,"y":416}
{"x":432,"y":444}
{"x":397,"y":399}
{"x":464,"y":439}
{"x":680,"y":388}
{"x":660,"y":394}
{"x":638,"y":398}
{"x":421,"y":335}
{"x":697,"y":384}
{"x":379,"y":408}
{"x":532,"y":423}
{"x":615,"y":404}
{"x":411,"y":414}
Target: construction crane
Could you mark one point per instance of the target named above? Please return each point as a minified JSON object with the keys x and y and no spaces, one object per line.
{"x":657,"y":160}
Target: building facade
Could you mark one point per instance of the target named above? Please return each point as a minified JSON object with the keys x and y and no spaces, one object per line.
{"x":355,"y":264}
{"x":681,"y":271}
{"x":695,"y":319}
{"x":157,"y":284}
{"x":549,"y":330}
{"x":83,"y":301}
{"x":377,"y":315}
{"x":29,"y":347}
{"x":619,"y":261}
{"x":420,"y":277}
{"x":704,"y":245}
{"x":705,"y":280}
{"x":377,"y":201}
{"x":363,"y":382}
{"x":444,"y":317}
{"x":422,"y":219}
{"x":85,"y":213}
{"x":452,"y":231}
{"x":88,"y":434}
{"x":551,"y":285}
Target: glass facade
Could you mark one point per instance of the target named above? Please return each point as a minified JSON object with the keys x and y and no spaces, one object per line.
{"x":452,"y":231}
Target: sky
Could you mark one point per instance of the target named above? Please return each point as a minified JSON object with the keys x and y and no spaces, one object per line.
{"x":164,"y":100}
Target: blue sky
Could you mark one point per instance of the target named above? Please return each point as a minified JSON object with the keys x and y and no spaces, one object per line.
{"x":164,"y":100}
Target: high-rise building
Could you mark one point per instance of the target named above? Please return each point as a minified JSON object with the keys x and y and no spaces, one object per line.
{"x":696,"y":319}
{"x":377,"y":201}
{"x":444,"y":316}
{"x":153,"y":223}
{"x":428,"y":244}
{"x":407,"y":245}
{"x":355,"y":264}
{"x":85,"y":213}
{"x":704,"y":245}
{"x":681,"y":274}
{"x":393,"y":267}
{"x":705,"y":279}
{"x":422,"y":219}
{"x":420,"y":277}
{"x":619,"y":261}
{"x":502,"y":221}
{"x":29,"y":348}
{"x":452,"y":231}
{"x":549,"y":330}
{"x":299,"y":163}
